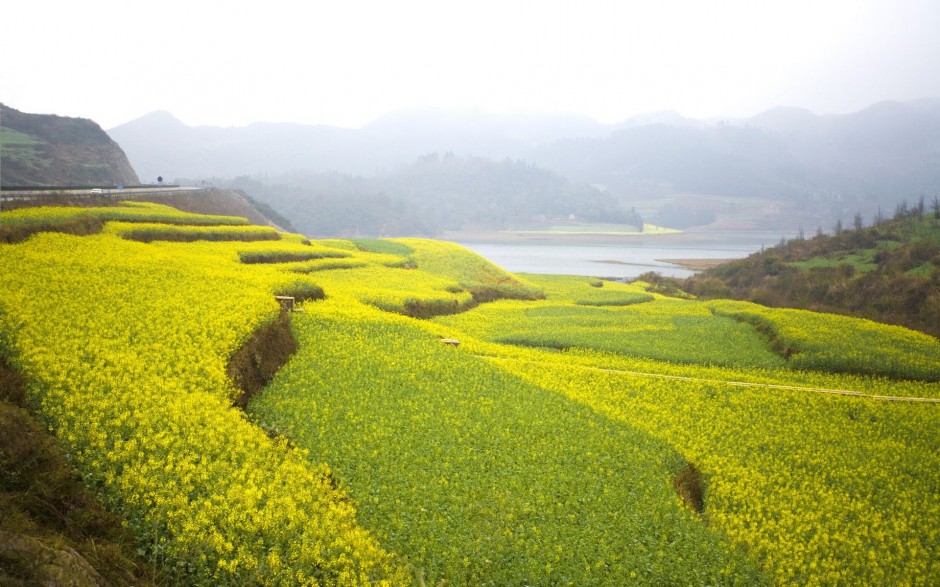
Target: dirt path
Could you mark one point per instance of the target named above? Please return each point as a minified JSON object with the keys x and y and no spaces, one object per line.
{"x":845,"y":392}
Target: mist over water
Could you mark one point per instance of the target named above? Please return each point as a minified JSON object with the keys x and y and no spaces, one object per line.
{"x":626,"y":260}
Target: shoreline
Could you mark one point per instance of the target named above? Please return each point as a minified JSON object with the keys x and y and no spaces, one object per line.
{"x":696,"y":264}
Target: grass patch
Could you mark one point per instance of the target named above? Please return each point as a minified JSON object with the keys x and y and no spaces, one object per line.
{"x":862,"y":260}
{"x":330,"y":264}
{"x":840,"y":344}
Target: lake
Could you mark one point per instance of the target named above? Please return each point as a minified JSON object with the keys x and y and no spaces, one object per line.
{"x":622,"y":260}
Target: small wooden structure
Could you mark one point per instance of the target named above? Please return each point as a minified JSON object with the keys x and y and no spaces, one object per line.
{"x":287,"y":303}
{"x":451,"y":341}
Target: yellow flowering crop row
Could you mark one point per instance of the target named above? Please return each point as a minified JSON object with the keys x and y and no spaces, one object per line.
{"x":151,"y":231}
{"x":471,"y":271}
{"x":126,"y":211}
{"x":477,"y":477}
{"x":823,"y":490}
{"x":125,"y":346}
{"x":829,"y":342}
{"x":589,"y":291}
{"x":543,"y":467}
{"x":404,"y":291}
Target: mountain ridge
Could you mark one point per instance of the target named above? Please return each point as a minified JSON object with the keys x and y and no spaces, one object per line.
{"x":820,"y":168}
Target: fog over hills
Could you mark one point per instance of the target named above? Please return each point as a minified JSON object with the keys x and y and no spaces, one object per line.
{"x":159,"y":144}
{"x":819,"y":168}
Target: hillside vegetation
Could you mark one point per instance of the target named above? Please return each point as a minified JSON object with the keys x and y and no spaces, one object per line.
{"x":583,"y":431}
{"x":888,"y":272}
{"x":433,"y":194}
{"x":48,"y":150}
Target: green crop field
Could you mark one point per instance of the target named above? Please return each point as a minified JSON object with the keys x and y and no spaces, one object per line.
{"x":583,"y":432}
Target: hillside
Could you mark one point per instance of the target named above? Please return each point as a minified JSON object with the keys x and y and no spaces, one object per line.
{"x":48,"y":150}
{"x":820,"y":168}
{"x":814,"y":169}
{"x":429,"y":418}
{"x":433,"y":194}
{"x":889,"y":272}
{"x":160,"y":144}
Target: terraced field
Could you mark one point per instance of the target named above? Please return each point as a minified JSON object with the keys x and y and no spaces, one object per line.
{"x":583,"y":432}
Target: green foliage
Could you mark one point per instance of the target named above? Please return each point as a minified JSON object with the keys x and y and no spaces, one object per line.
{"x":252,"y":257}
{"x":476,"y":477}
{"x":669,"y":330}
{"x":840,"y":344}
{"x":56,"y":150}
{"x":889,"y":272}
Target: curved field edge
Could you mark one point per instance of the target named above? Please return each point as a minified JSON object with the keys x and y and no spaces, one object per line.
{"x":130,"y":376}
{"x":50,"y":525}
{"x":477,"y":477}
{"x":22,"y":317}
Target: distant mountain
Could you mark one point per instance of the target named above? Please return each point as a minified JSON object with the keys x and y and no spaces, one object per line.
{"x":813,"y":169}
{"x":159,"y":144}
{"x":822,"y":167}
{"x":44,"y":149}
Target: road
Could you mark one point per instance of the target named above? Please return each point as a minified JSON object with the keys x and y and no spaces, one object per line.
{"x":38,"y":194}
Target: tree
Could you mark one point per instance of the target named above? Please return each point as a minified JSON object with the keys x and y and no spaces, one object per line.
{"x":901,"y":211}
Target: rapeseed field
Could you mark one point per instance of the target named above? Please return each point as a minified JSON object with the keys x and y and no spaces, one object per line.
{"x":553,"y":446}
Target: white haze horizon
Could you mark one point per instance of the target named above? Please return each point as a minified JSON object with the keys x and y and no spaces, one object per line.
{"x":461,"y":111}
{"x":345,"y":64}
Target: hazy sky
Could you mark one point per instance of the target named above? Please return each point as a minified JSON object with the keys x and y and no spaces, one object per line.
{"x":346,"y":62}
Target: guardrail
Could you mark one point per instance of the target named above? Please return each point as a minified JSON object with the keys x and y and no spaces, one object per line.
{"x":27,"y":195}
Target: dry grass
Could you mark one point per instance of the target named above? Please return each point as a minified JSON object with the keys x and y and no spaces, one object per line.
{"x":81,"y":226}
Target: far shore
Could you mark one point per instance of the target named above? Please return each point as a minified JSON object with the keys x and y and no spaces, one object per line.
{"x":695,"y":264}
{"x":561,"y":238}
